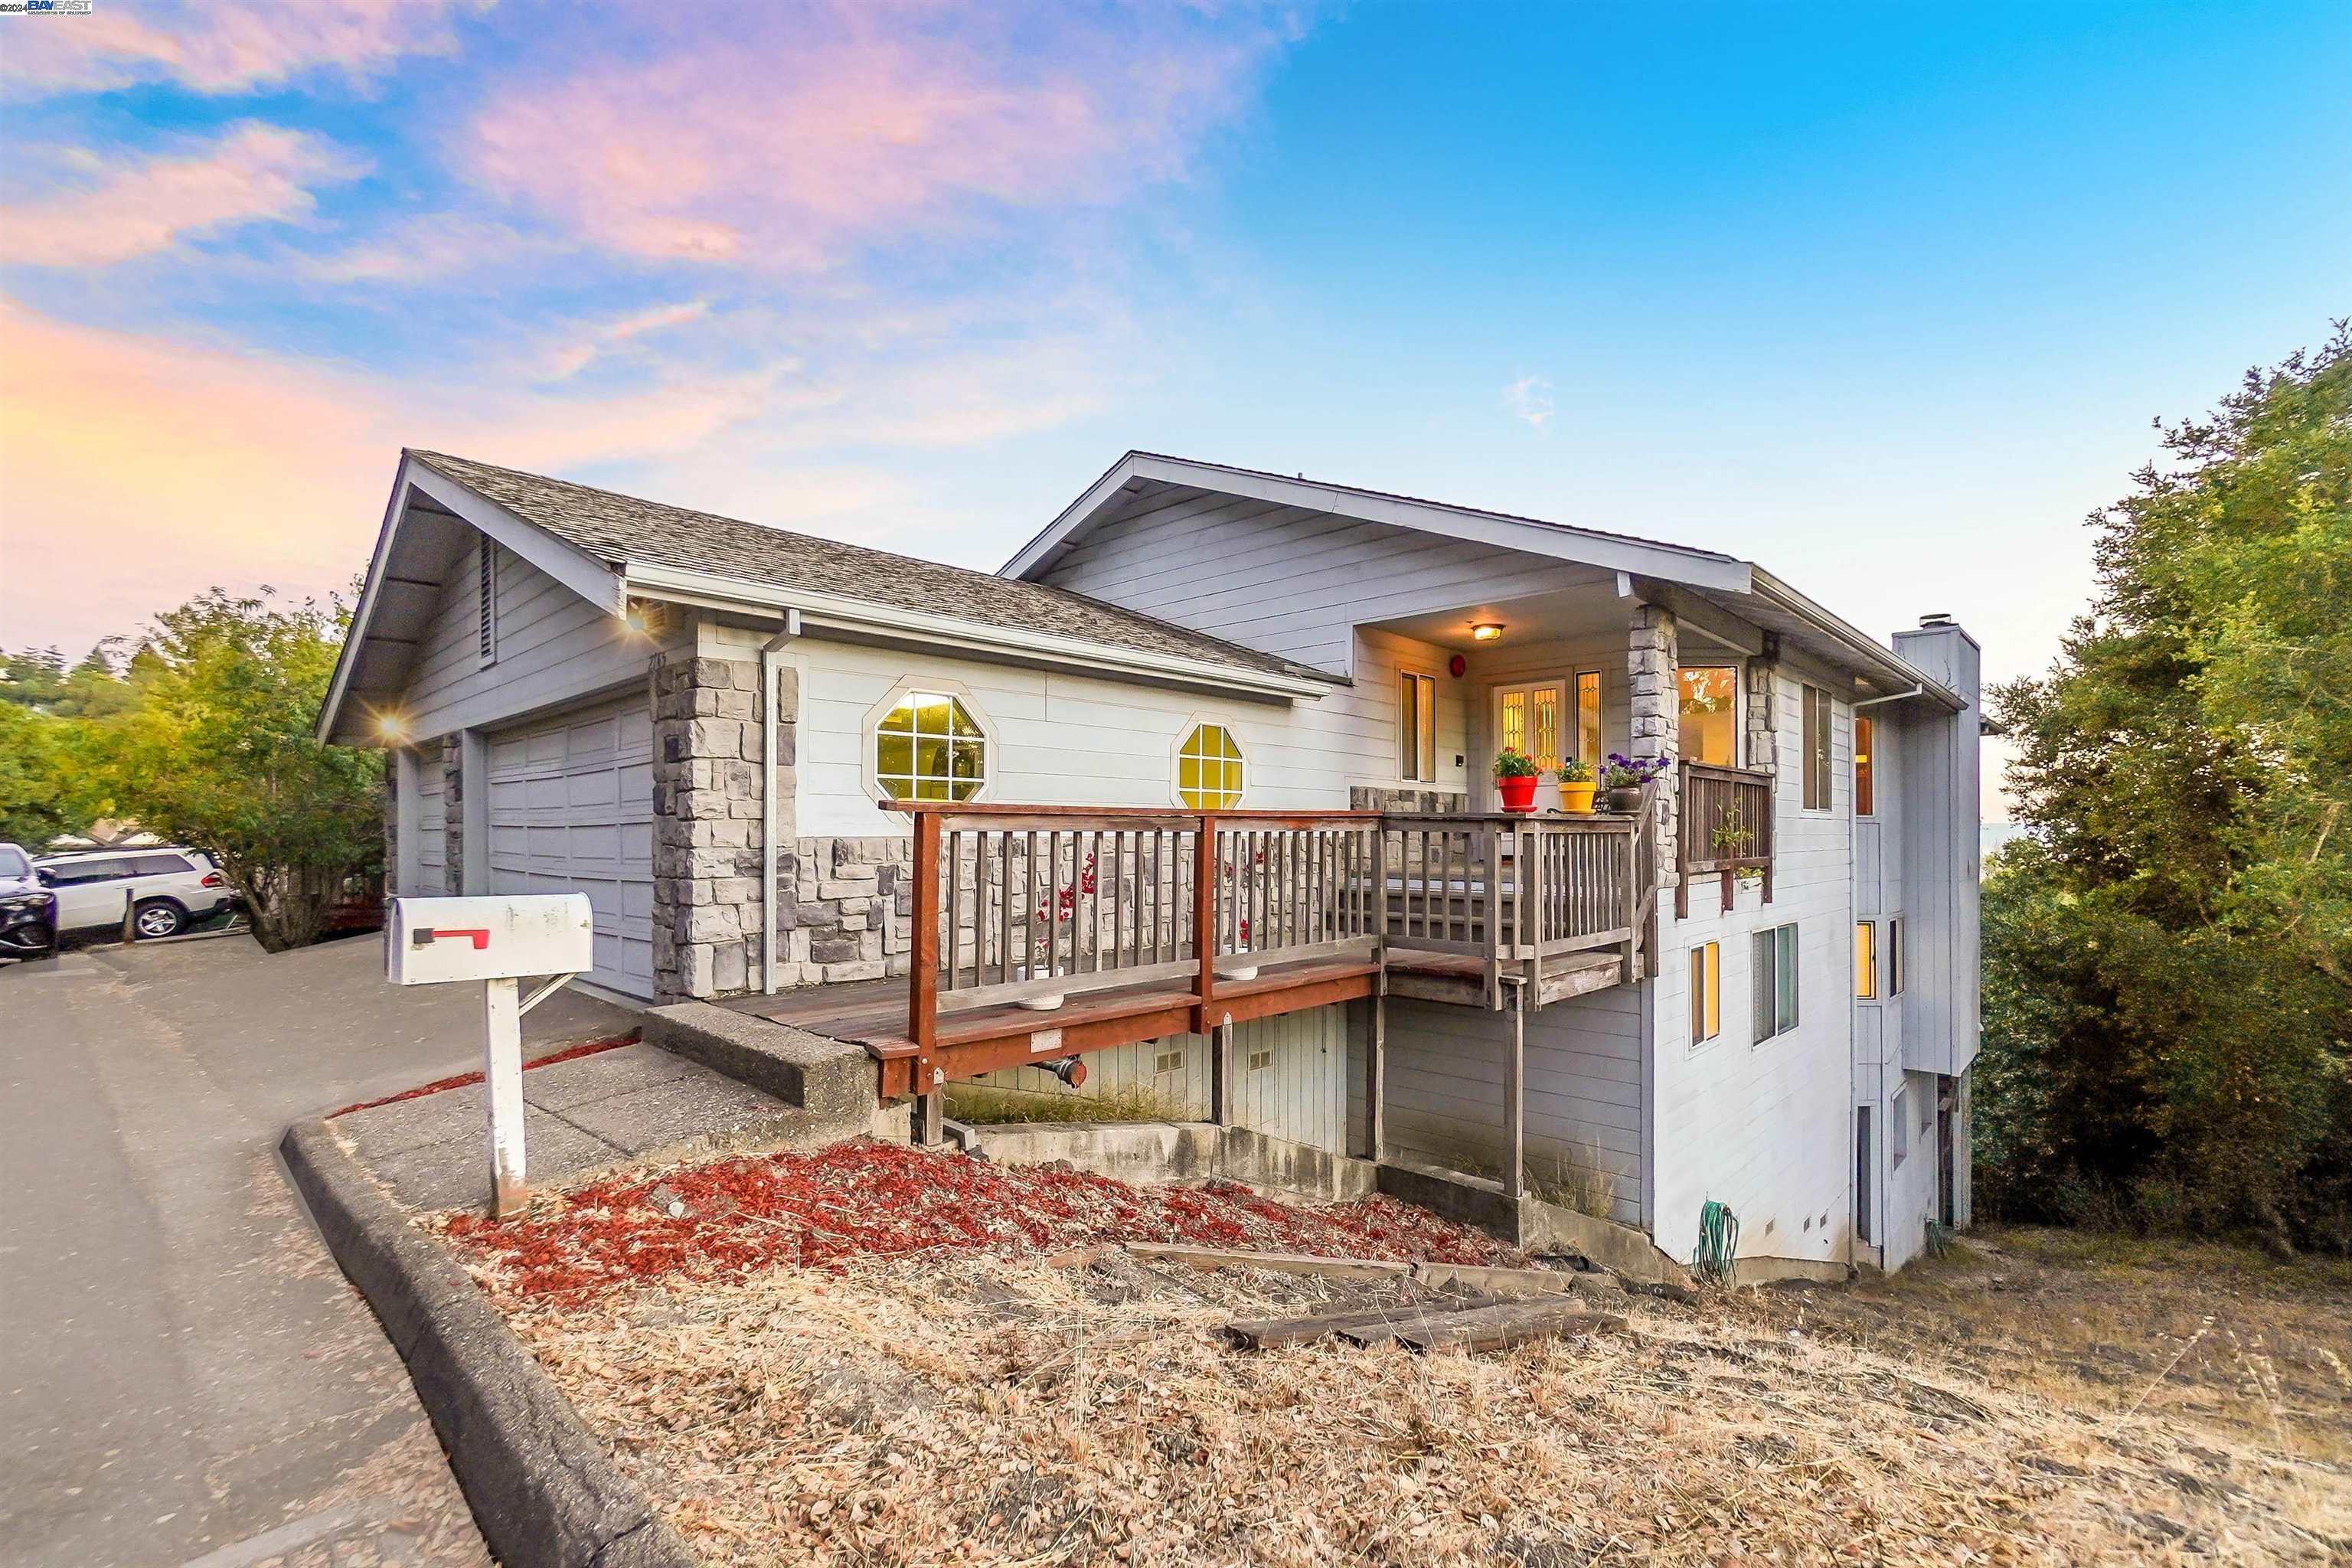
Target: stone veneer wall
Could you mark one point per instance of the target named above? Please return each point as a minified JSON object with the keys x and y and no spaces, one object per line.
{"x":1373,"y":797}
{"x":1652,"y":649}
{"x":453,"y":820}
{"x":1763,"y":736}
{"x":845,"y":909}
{"x":708,"y":744}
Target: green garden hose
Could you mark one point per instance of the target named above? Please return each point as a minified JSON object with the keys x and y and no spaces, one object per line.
{"x":1719,"y":1243}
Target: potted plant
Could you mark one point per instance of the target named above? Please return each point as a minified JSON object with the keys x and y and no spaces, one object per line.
{"x":1515,"y":779}
{"x":1576,"y":786}
{"x":1624,"y":776}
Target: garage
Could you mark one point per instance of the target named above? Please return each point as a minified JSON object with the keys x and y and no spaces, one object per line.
{"x":431,"y":829}
{"x":571,"y":810}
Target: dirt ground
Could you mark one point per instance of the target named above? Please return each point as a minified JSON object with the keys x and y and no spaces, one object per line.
{"x":2030,"y":1398}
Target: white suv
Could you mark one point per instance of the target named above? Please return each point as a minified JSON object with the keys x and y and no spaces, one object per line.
{"x":167,"y":887}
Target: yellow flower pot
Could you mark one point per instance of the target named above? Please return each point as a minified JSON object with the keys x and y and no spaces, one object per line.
{"x":1576,"y":798}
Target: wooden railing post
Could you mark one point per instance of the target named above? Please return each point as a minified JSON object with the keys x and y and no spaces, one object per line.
{"x":1204,"y":917}
{"x":923,"y":978}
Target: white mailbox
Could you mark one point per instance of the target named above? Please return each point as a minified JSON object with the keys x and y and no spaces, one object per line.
{"x":431,"y":942}
{"x":495,"y":942}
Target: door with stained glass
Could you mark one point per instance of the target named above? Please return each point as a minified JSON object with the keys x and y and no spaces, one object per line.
{"x":1533,"y":717}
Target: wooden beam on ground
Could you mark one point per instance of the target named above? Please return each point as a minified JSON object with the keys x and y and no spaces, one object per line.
{"x":1268,"y":1334}
{"x":1494,"y":1328}
{"x":1280,"y":1262}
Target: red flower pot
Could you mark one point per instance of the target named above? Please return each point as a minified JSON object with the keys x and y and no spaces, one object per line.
{"x":1518,"y":794}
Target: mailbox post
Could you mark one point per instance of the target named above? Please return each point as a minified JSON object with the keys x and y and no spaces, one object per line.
{"x":498,"y":942}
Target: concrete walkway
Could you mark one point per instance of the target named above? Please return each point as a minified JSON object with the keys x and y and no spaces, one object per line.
{"x":637,"y":1103}
{"x":184,"y":1375}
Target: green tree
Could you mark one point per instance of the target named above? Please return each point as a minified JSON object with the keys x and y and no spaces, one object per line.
{"x":214,"y":747}
{"x":2168,"y":970}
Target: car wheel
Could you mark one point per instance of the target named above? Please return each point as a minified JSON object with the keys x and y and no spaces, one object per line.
{"x":158,"y":917}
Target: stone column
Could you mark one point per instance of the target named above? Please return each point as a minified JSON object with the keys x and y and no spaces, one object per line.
{"x":1652,"y":652}
{"x":1763,"y":715}
{"x":706,"y":752}
{"x":453,"y":815}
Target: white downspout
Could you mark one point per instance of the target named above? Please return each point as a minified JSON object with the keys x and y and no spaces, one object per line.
{"x":770,"y":662}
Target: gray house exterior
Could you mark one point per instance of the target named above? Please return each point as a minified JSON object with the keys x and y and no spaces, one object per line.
{"x":710,"y":726}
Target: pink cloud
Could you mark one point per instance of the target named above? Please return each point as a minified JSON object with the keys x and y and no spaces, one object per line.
{"x":141,"y":469}
{"x":254,"y":173}
{"x":807,"y":130}
{"x":220,"y":47}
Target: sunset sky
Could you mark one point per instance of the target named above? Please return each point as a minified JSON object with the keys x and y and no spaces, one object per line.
{"x":1883,"y":297}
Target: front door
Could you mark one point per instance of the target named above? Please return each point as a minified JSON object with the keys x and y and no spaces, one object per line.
{"x":1532,"y":718}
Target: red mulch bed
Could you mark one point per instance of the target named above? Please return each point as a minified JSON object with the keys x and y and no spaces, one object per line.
{"x":865,"y":1199}
{"x":568,"y":1053}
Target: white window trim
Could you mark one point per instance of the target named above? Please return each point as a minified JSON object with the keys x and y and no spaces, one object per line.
{"x":1437,"y":679}
{"x":1779,"y":1031}
{"x":1737,"y":665}
{"x":991,"y":757}
{"x":1829,"y":762}
{"x":1176,"y":760}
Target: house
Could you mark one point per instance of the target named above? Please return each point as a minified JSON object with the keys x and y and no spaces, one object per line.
{"x":1193,"y":794}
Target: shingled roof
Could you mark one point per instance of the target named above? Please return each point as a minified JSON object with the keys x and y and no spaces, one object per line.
{"x":617,"y":529}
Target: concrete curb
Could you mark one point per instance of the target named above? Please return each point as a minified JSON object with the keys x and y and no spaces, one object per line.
{"x":542,"y":1488}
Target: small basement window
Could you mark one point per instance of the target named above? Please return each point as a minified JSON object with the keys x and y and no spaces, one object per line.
{"x":1209,"y":769}
{"x":929,"y":747}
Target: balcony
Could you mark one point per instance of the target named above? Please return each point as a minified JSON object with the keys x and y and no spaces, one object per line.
{"x":1041,"y":934}
{"x":1725,"y":830}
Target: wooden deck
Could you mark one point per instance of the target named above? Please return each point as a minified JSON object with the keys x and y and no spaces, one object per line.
{"x":873,"y":1014}
{"x":1135,"y":924}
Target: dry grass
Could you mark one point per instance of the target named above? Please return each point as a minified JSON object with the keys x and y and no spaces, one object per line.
{"x":984,"y":1105}
{"x":2024,"y":1407}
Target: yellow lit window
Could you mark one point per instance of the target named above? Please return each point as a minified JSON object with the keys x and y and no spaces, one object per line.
{"x":928,"y":747}
{"x":1705,"y":992}
{"x":1710,"y":714}
{"x":1209,"y":769}
{"x":1866,"y":793}
{"x":1588,"y":716}
{"x":1865,"y":960}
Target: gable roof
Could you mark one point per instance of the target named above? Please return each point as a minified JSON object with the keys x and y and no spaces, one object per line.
{"x":1669,"y":572}
{"x":629,"y":533}
{"x":1598,"y":547}
{"x":609,"y":548}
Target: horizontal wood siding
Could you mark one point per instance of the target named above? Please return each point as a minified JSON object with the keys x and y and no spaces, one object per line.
{"x":1766,"y":1127}
{"x":1444,"y":1089}
{"x":1298,"y":1094}
{"x":553,"y":647}
{"x":1289,"y":581}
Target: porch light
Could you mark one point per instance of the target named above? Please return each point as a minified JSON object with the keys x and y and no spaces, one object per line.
{"x":390,"y":726}
{"x":1487,"y":631}
{"x":639,"y":619}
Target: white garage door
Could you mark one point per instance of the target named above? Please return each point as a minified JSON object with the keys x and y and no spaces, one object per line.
{"x":571,"y":810}
{"x":432,"y":830}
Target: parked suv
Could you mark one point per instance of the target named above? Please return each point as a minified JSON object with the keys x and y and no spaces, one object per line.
{"x":168,"y":887}
{"x":29,"y":921}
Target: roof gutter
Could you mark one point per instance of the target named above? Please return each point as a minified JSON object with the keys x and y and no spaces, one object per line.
{"x":1868,"y":650}
{"x":835,"y":612}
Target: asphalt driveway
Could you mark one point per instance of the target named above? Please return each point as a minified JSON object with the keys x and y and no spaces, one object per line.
{"x":184,"y":1376}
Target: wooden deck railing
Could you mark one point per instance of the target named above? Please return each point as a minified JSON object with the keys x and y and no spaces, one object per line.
{"x":1726,"y":828}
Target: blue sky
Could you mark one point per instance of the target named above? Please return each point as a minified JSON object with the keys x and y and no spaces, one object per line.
{"x":1883,"y":297}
